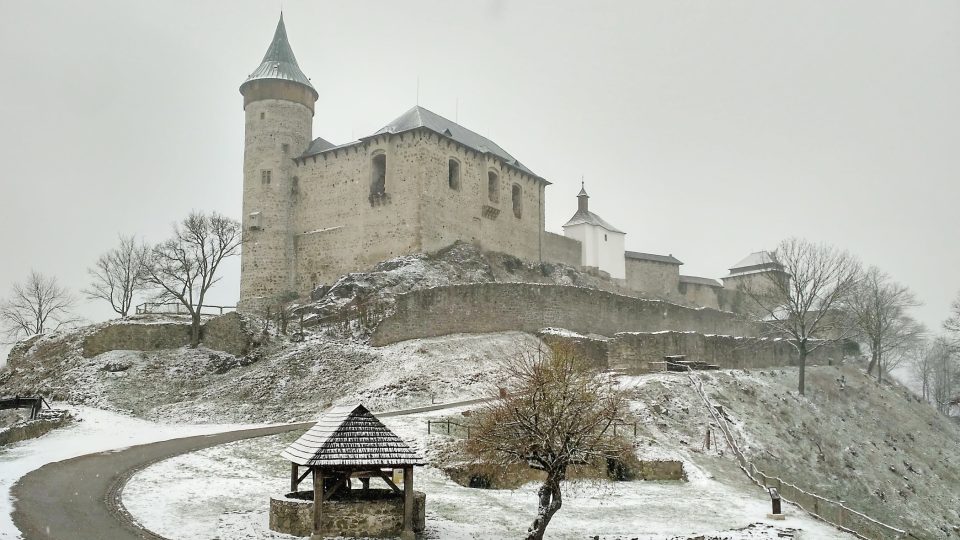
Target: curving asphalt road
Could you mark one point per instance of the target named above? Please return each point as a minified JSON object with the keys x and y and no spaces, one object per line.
{"x":79,"y":498}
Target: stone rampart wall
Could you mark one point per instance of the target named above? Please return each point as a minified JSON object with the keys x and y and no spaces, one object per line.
{"x":224,"y":333}
{"x":643,"y":352}
{"x":499,"y":307}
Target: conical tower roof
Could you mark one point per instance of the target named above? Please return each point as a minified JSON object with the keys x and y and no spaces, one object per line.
{"x":280,"y":63}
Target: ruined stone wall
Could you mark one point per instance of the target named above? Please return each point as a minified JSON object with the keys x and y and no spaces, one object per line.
{"x":643,"y":352}
{"x":652,"y":277}
{"x":560,"y":249}
{"x":226,"y":333}
{"x":498,"y":307}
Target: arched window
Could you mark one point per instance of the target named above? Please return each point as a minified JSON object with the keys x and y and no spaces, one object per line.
{"x":517,"y":194}
{"x":493,"y":187}
{"x":378,"y":179}
{"x":453,"y":175}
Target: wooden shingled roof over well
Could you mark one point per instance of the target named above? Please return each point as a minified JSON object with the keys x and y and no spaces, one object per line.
{"x":350,"y":436}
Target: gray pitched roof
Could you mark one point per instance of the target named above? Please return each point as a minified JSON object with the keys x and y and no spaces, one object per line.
{"x":350,"y":436}
{"x":279,"y":62}
{"x":756,"y":261}
{"x":588,"y":217}
{"x":668,"y":259}
{"x":319,"y":145}
{"x":700,"y":281}
{"x":419,"y":117}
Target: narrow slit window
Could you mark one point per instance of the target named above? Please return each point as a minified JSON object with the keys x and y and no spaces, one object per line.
{"x":453,"y":175}
{"x":265,"y":177}
{"x":517,"y":195}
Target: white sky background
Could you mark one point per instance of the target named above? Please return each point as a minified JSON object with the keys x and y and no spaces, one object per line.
{"x":704,"y":129}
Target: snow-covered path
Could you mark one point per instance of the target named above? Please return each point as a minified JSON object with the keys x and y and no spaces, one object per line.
{"x":98,"y":431}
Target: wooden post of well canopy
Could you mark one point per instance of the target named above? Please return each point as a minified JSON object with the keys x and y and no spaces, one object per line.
{"x":407,"y":533}
{"x":317,"y":503}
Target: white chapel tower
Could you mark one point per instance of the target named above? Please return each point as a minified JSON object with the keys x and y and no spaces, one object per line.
{"x":601,"y":243}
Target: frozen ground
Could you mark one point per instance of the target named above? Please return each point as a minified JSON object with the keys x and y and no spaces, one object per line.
{"x":96,"y":431}
{"x":224,"y":492}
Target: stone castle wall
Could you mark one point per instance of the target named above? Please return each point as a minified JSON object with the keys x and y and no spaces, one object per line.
{"x":643,"y":352}
{"x":652,"y":277}
{"x":339,"y":228}
{"x":701,"y":295}
{"x":498,"y":307}
{"x":560,"y":249}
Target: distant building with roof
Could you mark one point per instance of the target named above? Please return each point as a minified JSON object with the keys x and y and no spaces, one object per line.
{"x":314,"y":210}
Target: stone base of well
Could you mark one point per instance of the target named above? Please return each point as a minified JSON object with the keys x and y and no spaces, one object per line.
{"x":374,"y":513}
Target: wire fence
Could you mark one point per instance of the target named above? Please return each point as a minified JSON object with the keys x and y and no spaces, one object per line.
{"x":834,"y":512}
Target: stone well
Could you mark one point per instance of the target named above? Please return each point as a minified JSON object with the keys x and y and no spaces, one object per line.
{"x":373,"y":512}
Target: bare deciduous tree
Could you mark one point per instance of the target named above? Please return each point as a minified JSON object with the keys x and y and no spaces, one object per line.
{"x":184,"y":267}
{"x":921,"y":362}
{"x":945,"y":374}
{"x":555,"y":411}
{"x":878,"y":307}
{"x":802,"y":303}
{"x":118,"y":274}
{"x":952,"y":324}
{"x":36,"y":306}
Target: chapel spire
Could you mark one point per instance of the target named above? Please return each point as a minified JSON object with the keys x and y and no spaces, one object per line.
{"x":582,"y":199}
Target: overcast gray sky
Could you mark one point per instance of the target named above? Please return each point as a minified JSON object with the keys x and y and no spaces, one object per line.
{"x":704,"y":129}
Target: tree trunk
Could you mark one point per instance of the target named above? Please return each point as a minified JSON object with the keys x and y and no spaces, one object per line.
{"x":879,"y":368}
{"x":550,"y":501}
{"x":195,"y":330}
{"x":802,"y":350}
{"x":873,"y":362}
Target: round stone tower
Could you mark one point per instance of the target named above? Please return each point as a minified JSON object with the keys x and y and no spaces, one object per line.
{"x":278,"y":102}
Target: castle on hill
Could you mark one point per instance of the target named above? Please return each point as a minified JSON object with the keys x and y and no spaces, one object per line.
{"x":314,"y":210}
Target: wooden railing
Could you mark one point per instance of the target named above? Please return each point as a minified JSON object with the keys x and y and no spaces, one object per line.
{"x":833,"y":512}
{"x":176,"y":308}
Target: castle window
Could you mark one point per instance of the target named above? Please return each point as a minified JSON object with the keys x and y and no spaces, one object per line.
{"x":265,"y":177}
{"x":378,"y":177}
{"x":285,"y":147}
{"x":604,"y":237}
{"x":493,"y":187}
{"x":263,"y":115}
{"x":453,"y":174}
{"x":517,"y":193}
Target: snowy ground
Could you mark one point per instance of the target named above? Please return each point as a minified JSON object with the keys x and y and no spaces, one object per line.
{"x":223,"y":492}
{"x":96,"y":431}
